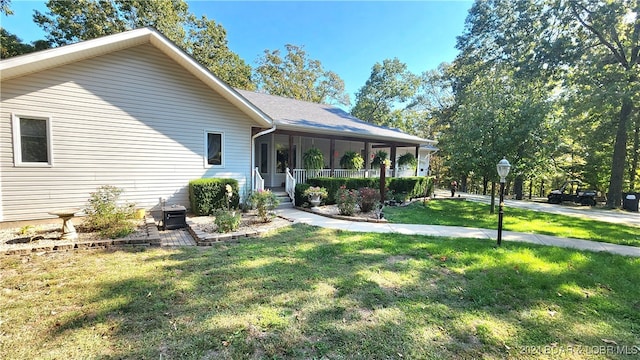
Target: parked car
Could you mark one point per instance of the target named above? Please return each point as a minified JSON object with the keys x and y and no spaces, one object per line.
{"x":572,"y":191}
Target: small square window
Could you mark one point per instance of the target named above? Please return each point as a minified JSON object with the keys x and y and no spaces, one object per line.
{"x":214,"y":146}
{"x":32,"y":140}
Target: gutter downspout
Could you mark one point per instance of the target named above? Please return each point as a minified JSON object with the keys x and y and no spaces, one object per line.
{"x":253,"y":153}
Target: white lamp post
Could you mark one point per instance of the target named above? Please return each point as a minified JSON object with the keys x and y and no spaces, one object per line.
{"x":503,"y":170}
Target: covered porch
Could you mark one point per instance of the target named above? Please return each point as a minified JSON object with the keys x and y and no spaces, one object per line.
{"x":299,"y":126}
{"x":279,"y":157}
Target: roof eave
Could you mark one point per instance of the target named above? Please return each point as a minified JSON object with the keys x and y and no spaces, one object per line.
{"x":365,"y":136}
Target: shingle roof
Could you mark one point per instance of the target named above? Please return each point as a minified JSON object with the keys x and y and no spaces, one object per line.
{"x":303,"y":116}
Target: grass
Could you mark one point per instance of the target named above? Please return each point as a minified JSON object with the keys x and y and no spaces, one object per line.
{"x":473,"y":214}
{"x":305,"y":292}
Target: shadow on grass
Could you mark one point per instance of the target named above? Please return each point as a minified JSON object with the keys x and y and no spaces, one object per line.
{"x":310,"y":293}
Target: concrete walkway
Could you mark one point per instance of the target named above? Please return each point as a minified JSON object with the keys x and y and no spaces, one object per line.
{"x":453,"y":231}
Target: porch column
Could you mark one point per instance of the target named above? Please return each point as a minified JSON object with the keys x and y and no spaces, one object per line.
{"x":332,"y":150}
{"x":367,"y":161}
{"x":290,"y":159}
{"x":418,"y":159}
{"x":393,"y":159}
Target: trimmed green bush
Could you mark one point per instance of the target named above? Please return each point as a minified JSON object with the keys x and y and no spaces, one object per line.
{"x":208,"y":195}
{"x":412,"y":187}
{"x":299,"y":197}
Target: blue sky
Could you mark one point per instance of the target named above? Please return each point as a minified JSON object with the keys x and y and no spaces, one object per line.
{"x":347,"y":37}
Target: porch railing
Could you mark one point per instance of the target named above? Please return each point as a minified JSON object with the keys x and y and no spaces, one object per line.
{"x":301,"y":175}
{"x":290,"y":185}
{"x":258,"y":181}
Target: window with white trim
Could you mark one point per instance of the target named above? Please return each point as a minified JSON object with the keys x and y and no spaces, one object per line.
{"x":214,"y":145}
{"x":32,"y":141}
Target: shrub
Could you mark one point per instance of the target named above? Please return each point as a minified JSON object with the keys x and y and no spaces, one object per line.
{"x":333,"y":184}
{"x":368,"y":198}
{"x":207,"y":195}
{"x":106,"y":216}
{"x":264,"y":201}
{"x":346,"y":199}
{"x":227,"y":220}
{"x":412,"y":187}
{"x":299,"y":196}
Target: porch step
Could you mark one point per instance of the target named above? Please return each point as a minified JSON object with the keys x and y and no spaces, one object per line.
{"x":285,"y":200}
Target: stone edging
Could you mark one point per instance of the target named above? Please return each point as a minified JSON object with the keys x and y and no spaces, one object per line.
{"x":342,"y":217}
{"x":152,"y":238}
{"x":208,"y":239}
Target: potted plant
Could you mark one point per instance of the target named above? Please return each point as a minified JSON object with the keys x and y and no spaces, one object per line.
{"x":315,"y":194}
{"x":351,"y":160}
{"x":408,"y":161}
{"x":313,"y":160}
{"x":379,"y":157}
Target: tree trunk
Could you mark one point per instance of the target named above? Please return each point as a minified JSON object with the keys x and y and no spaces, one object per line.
{"x":636,"y":154}
{"x":485,"y":182}
{"x":518,"y":186}
{"x":493,"y":197}
{"x":614,"y":198}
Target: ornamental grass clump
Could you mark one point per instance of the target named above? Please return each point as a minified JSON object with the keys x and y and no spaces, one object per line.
{"x":346,"y":200}
{"x":265,"y":201}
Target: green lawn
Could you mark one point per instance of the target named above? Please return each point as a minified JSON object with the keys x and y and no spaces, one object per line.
{"x":473,"y":214}
{"x":306,"y":293}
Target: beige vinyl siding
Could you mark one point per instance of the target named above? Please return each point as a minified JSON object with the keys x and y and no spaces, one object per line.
{"x":133,"y":119}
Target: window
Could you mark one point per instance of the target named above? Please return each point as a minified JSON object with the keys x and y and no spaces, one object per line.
{"x":32,"y":141}
{"x":264,"y":158}
{"x":214,"y":145}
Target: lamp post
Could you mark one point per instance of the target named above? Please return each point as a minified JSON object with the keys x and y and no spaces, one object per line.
{"x":503,"y":170}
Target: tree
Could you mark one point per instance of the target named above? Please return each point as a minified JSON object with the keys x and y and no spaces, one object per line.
{"x":553,"y":38}
{"x":11,"y":45}
{"x":5,"y":7}
{"x":69,"y":22}
{"x":207,"y":42}
{"x":380,"y":100}
{"x":296,"y":76}
{"x":498,"y":115}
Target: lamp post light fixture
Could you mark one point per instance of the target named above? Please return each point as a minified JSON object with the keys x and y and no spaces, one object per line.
{"x":503,"y":170}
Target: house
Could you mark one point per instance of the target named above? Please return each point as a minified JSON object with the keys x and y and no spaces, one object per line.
{"x":134,"y":111}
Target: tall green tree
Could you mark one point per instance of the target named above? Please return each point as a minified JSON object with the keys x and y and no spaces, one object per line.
{"x":207,"y":42}
{"x":71,"y":21}
{"x":11,"y":45}
{"x":386,"y":93}
{"x":297,"y":76}
{"x":600,"y":40}
{"x":497,"y":115}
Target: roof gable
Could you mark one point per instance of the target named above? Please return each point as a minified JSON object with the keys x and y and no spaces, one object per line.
{"x":51,"y":58}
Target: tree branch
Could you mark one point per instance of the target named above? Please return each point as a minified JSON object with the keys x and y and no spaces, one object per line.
{"x":621,"y":58}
